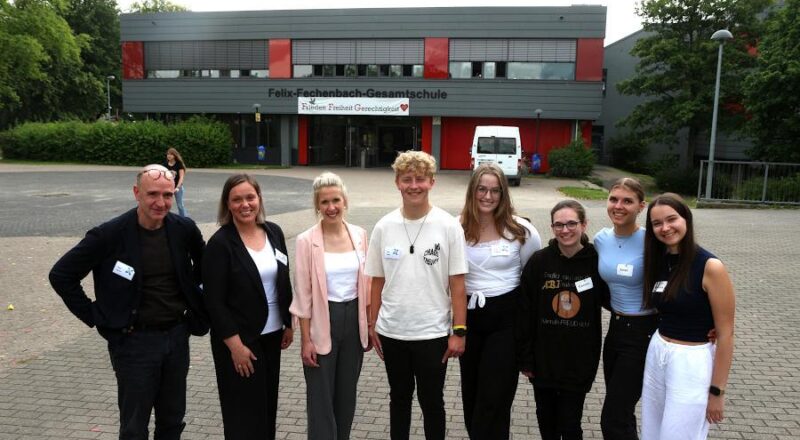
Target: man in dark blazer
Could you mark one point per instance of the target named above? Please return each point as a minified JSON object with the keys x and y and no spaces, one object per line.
{"x":146,"y":267}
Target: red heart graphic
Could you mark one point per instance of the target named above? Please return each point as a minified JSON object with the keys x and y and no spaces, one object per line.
{"x":403,"y":107}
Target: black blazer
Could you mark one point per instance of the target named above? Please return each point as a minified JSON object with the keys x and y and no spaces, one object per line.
{"x":116,"y":298}
{"x":233,"y":292}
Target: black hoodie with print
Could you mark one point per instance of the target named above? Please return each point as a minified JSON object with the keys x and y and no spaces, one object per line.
{"x":558,"y":325}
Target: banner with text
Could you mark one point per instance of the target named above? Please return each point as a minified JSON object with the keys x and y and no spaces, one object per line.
{"x":352,"y":106}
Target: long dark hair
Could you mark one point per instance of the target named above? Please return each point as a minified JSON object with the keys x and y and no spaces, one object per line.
{"x":575,"y":206}
{"x":503,"y":215}
{"x":178,"y":157}
{"x":655,"y":252}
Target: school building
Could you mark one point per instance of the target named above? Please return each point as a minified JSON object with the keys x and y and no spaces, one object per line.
{"x":352,"y":87}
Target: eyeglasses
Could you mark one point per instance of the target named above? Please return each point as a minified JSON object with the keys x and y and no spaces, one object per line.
{"x":156,"y":174}
{"x":570,"y":225}
{"x":482,"y":190}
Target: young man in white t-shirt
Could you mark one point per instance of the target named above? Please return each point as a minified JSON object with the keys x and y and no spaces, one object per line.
{"x":417,"y":262}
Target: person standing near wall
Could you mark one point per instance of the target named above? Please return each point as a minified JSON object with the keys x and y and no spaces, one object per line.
{"x":331,"y":294}
{"x":499,"y":244}
{"x":175,"y":164}
{"x":417,"y":264}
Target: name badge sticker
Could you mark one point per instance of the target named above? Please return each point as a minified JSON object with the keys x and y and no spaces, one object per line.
{"x":501,"y":250}
{"x":280,"y":256}
{"x":584,"y":284}
{"x":625,"y":270}
{"x":659,"y":286}
{"x":123,"y":270}
{"x":391,"y":253}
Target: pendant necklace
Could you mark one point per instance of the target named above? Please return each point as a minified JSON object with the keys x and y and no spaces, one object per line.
{"x":412,"y":243}
{"x":621,"y":240}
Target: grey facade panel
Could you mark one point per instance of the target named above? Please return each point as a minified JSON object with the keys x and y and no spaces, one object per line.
{"x":474,"y":49}
{"x":204,"y":54}
{"x":585,"y":21}
{"x":466,"y":98}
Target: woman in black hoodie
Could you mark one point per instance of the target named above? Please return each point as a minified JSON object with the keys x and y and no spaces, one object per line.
{"x":558,"y":330}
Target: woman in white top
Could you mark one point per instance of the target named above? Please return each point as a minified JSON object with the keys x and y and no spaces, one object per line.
{"x":330,"y":300}
{"x":499,"y":245}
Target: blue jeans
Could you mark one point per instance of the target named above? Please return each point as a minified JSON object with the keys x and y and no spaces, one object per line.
{"x":179,"y":201}
{"x":151,"y":368}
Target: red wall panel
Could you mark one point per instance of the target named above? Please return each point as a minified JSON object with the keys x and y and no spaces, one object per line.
{"x":427,"y":134}
{"x":457,"y":136}
{"x":132,"y":60}
{"x":589,"y":62}
{"x":586,"y":133}
{"x":280,"y":58}
{"x":437,"y":58}
{"x":302,"y":140}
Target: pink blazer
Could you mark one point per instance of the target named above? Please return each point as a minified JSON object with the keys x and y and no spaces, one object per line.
{"x":311,"y":288}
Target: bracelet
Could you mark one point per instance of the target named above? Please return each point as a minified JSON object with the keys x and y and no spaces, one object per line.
{"x":457,"y":327}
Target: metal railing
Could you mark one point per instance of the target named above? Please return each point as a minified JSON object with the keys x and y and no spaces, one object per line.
{"x":751,"y":182}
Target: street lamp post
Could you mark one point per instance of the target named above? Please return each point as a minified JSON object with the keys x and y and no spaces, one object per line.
{"x":109,"y":78}
{"x":536,"y":163}
{"x":259,"y":151}
{"x":721,"y":36}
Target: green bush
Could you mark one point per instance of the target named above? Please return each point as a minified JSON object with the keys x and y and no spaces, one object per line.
{"x":781,"y":189}
{"x":202,"y":142}
{"x":629,"y":153}
{"x":573,"y":160}
{"x":670,"y":177}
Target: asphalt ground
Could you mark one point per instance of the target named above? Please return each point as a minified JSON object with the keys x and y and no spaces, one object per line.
{"x":56,"y":381}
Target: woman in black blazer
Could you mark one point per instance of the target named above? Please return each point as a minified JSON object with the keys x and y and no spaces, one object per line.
{"x":247,"y":293}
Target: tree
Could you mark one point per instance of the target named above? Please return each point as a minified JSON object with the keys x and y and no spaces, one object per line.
{"x":772,"y":93}
{"x":52,"y":84}
{"x":677,"y":67}
{"x":97,"y":21}
{"x":152,"y":6}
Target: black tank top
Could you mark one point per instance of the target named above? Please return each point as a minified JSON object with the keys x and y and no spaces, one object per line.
{"x":687,"y":317}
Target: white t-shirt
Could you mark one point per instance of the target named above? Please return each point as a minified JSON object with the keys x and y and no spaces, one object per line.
{"x":415,"y":303}
{"x":268,"y":269}
{"x":495,"y":266}
{"x":341,"y":275}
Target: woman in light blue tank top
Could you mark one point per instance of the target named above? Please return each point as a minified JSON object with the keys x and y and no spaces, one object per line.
{"x":621,"y":265}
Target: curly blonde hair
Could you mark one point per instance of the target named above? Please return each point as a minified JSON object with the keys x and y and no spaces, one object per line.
{"x":419,"y":162}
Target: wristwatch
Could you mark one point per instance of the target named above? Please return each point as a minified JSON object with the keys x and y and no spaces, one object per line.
{"x":715,"y":390}
{"x":460,"y":330}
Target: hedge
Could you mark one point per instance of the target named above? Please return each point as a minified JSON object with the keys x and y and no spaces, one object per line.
{"x":572,"y":160}
{"x":202,"y":143}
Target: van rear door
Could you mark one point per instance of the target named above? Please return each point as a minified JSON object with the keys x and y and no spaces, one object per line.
{"x":500,"y":150}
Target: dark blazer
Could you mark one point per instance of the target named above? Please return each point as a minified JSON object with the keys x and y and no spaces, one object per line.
{"x":116,"y":298}
{"x":233,"y":292}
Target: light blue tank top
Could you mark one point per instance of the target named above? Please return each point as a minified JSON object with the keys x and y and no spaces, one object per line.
{"x":621,"y":265}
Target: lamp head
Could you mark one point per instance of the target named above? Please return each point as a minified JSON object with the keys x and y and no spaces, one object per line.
{"x":722,"y":35}
{"x":538,"y":112}
{"x":111,"y":77}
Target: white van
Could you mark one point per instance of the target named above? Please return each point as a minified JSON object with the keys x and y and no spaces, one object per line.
{"x":501,"y":145}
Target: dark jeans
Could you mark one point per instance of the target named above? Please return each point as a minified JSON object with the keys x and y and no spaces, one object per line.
{"x":151,"y":368}
{"x":489,"y":373}
{"x":249,"y":404}
{"x":407,"y":361}
{"x":331,"y":388}
{"x":559,"y":413}
{"x":624,"y":353}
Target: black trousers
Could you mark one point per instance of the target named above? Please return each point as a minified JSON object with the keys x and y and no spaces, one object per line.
{"x":489,"y":373}
{"x":151,"y":368}
{"x":249,"y":404}
{"x":559,"y":413}
{"x":408,"y":362}
{"x":624,"y":353}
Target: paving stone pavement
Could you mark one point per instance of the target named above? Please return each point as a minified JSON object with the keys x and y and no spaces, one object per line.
{"x":56,"y":381}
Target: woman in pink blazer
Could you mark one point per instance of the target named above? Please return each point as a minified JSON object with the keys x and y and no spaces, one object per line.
{"x":331,"y":296}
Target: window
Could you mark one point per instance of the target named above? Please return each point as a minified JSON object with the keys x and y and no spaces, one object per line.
{"x":396,"y":70}
{"x":303,"y":71}
{"x":259,"y":73}
{"x":489,"y":70}
{"x":418,"y":71}
{"x":495,"y":145}
{"x":350,"y":70}
{"x":327,"y":70}
{"x":547,"y":71}
{"x":383,"y":70}
{"x":340,"y":70}
{"x":477,"y":69}
{"x":460,"y":69}
{"x":163,"y":73}
{"x":372,"y":70}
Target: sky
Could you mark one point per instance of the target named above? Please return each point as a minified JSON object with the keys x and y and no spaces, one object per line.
{"x":621,"y":19}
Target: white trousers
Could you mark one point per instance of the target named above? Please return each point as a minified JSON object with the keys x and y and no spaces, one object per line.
{"x":675,"y":390}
